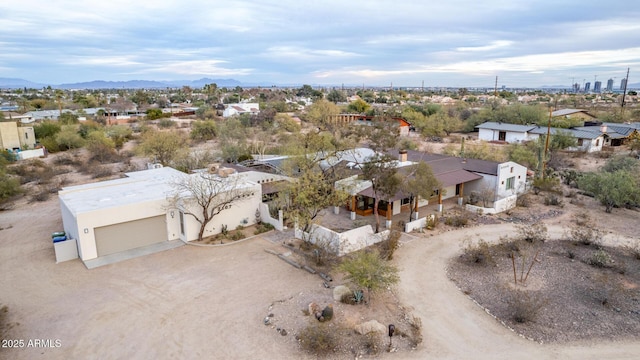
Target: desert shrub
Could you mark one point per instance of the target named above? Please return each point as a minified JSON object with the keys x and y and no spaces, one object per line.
{"x":634,"y":250}
{"x":165,"y":123}
{"x":32,"y":170}
{"x":416,"y":330}
{"x":318,"y":339}
{"x":67,"y":159}
{"x":388,"y":246}
{"x":553,"y":200}
{"x":237,"y":236}
{"x":239,"y":227}
{"x":203,"y":130}
{"x":457,"y":220}
{"x":372,"y":343}
{"x":584,"y":231}
{"x":524,"y":306}
{"x":50,"y":144}
{"x":479,"y":253}
{"x":9,"y":186}
{"x":324,"y":252}
{"x":40,"y":194}
{"x":262,"y":228}
{"x":600,"y":258}
{"x":547,"y":184}
{"x":532,"y":233}
{"x":101,"y":172}
{"x":523,"y":200}
{"x":348,"y":299}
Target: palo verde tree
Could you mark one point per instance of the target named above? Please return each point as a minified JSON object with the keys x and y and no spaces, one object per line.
{"x":420,"y":183}
{"x":204,"y":196}
{"x":368,"y":270}
{"x":381,"y":169}
{"x":162,"y":146}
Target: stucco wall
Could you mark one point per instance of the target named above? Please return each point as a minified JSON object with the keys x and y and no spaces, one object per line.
{"x":265,"y":216}
{"x":9,"y":138}
{"x":342,"y":243}
{"x":507,"y":170}
{"x":510,"y":136}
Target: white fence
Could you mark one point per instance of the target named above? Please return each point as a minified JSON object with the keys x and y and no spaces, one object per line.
{"x":265,"y":216}
{"x":28,"y":154}
{"x":342,"y":243}
{"x":498,"y":206}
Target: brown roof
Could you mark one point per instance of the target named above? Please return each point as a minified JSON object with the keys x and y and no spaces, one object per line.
{"x":457,"y":177}
{"x":272,"y":187}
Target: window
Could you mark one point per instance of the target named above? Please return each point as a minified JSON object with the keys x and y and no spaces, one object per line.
{"x":181,"y":223}
{"x":597,"y":142}
{"x":580,"y":142}
{"x":502,"y":136}
{"x":406,"y":201}
{"x":511,"y":183}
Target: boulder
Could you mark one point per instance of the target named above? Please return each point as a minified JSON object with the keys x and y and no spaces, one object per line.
{"x":339,"y":291}
{"x":327,"y":313}
{"x":314,"y":309}
{"x":371,"y":326}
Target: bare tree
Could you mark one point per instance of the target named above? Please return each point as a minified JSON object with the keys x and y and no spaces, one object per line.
{"x":204,"y":196}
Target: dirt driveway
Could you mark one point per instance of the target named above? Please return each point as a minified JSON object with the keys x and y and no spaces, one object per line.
{"x":194,"y":302}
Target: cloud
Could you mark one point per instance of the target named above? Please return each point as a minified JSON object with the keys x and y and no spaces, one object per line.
{"x":492,"y":46}
{"x":294,"y":53}
{"x":194,"y":67}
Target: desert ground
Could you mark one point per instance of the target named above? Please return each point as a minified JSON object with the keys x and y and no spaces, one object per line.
{"x":209,"y":302}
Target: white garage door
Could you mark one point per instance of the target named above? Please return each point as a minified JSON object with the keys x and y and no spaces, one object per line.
{"x":130,"y":235}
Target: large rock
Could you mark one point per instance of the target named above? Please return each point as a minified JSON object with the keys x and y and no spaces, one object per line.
{"x":339,"y":291}
{"x":371,"y":326}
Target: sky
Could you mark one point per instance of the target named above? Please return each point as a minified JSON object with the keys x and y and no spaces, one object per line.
{"x":452,"y":43}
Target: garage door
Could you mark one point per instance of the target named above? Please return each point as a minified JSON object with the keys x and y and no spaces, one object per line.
{"x":130,"y":235}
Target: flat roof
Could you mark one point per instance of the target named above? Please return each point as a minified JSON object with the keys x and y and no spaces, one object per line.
{"x":137,"y":187}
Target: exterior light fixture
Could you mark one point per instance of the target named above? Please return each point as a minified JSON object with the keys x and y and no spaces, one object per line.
{"x":86,"y":231}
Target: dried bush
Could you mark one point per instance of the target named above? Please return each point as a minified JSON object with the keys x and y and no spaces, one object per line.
{"x":41,"y":194}
{"x":553,"y":200}
{"x":372,"y":343}
{"x":584,"y":231}
{"x":479,"y":253}
{"x":388,"y":246}
{"x":523,"y":200}
{"x":319,"y":339}
{"x":67,"y":159}
{"x":457,"y":220}
{"x":524,"y":306}
{"x":532,"y":233}
{"x":416,"y":330}
{"x":237,"y":236}
{"x":634,"y":250}
{"x":33,"y":170}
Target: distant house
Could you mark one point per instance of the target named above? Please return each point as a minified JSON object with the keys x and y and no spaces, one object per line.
{"x":573,"y":114}
{"x":589,"y":139}
{"x":403,"y":125}
{"x":241,"y":108}
{"x":498,"y":131}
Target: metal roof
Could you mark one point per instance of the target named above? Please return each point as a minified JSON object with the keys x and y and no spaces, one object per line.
{"x":505,"y":127}
{"x":578,"y":134}
{"x":564,"y":112}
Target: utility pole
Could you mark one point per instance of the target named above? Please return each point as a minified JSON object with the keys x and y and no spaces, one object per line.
{"x":624,"y":93}
{"x":546,"y":142}
{"x":495,"y":89}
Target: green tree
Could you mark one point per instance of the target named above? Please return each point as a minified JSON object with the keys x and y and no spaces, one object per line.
{"x":368,"y":270}
{"x":336,"y":96}
{"x":358,"y":106}
{"x":67,"y":118}
{"x":68,"y":138}
{"x":385,"y":182}
{"x":153,"y":114}
{"x":621,"y":162}
{"x":321,"y":113}
{"x":162,"y":146}
{"x":420,"y":182}
{"x":204,"y":130}
{"x":119,"y":134}
{"x":101,"y":147}
{"x":562,"y":140}
{"x":46,"y":129}
{"x":612,"y":189}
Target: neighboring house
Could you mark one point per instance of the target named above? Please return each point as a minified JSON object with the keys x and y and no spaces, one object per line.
{"x":23,"y":118}
{"x":404,"y":126}
{"x":589,"y":138}
{"x":616,"y":133}
{"x":458,"y":177}
{"x":14,"y":137}
{"x":135,"y":212}
{"x":573,"y":114}
{"x":497,"y":131}
{"x":241,"y":108}
{"x":589,"y":141}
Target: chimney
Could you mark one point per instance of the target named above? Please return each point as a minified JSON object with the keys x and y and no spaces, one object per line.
{"x":603,"y":128}
{"x":402,"y":156}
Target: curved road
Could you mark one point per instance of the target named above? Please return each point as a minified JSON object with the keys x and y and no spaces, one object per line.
{"x":454,"y":327}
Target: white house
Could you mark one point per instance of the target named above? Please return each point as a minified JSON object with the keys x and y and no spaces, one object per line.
{"x":116,"y":216}
{"x":241,"y":108}
{"x":497,"y":131}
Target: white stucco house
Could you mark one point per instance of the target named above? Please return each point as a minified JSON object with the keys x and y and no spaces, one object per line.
{"x":497,"y":131}
{"x":241,"y":108}
{"x":134,"y":212}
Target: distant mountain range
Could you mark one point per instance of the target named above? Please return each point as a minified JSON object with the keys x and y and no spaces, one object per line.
{"x":12,"y":83}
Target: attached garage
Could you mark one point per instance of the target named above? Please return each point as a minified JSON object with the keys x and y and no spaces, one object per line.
{"x":129,"y":235}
